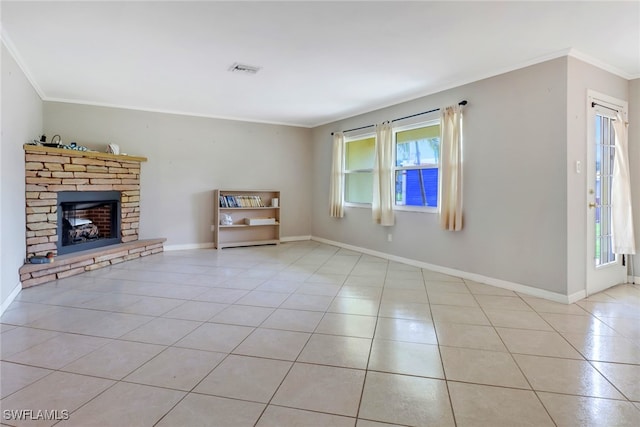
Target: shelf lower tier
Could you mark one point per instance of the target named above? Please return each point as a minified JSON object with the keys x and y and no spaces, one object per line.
{"x":248,"y":225}
{"x":222,"y":245}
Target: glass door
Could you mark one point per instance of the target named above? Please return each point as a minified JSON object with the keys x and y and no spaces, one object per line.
{"x":604,"y":268}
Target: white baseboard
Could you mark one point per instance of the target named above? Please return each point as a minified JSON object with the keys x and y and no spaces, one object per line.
{"x":12,"y":296}
{"x":295,"y":238}
{"x":504,"y":284}
{"x":499,"y":283}
{"x":633,"y":279}
{"x":576,"y":296}
{"x":209,"y":245}
{"x":188,"y":246}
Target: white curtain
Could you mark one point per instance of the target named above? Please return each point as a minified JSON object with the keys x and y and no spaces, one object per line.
{"x":383,"y":179}
{"x":336,"y":197}
{"x":450,"y":171}
{"x":623,"y":237}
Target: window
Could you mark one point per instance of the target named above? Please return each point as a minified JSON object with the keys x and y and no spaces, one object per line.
{"x":417,"y":156}
{"x":417,"y":153}
{"x":358,"y":159}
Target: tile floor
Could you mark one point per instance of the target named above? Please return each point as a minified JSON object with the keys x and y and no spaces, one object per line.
{"x":307,"y":334}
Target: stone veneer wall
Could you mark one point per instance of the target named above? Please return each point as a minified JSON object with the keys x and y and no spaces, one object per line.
{"x":50,"y":170}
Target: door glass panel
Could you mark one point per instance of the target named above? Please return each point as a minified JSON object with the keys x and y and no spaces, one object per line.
{"x":604,"y":155}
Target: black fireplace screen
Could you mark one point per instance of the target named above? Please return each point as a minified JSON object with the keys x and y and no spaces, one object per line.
{"x":87,"y":219}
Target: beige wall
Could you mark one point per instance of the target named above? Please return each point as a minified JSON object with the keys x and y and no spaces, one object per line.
{"x":524,"y":130}
{"x":21,"y":122}
{"x":514,"y":183}
{"x":189,"y":157}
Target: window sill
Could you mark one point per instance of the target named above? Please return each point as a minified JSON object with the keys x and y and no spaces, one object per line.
{"x":357,"y":205}
{"x":419,"y":209}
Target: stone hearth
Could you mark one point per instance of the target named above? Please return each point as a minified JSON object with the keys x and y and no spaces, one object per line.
{"x":92,"y":259}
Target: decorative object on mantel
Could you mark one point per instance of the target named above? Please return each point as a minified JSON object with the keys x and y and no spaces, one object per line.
{"x":54,"y":142}
{"x":72,"y":146}
{"x":75,"y":146}
{"x":113,"y":149}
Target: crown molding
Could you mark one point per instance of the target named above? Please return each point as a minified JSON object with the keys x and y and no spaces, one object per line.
{"x":6,"y":41}
{"x":574,"y":53}
{"x":174,"y":112}
{"x":569,"y":52}
{"x":493,"y":73}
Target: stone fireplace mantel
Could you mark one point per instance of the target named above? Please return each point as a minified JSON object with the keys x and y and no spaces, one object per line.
{"x":51,"y":170}
{"x":89,"y":154}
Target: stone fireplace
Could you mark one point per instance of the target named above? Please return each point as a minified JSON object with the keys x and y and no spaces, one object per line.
{"x":56,"y":180}
{"x":50,"y":171}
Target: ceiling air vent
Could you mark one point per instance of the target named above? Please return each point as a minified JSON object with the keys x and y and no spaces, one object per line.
{"x":243,"y":68}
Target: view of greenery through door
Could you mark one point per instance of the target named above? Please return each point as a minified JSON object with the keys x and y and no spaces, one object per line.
{"x":605,"y":152}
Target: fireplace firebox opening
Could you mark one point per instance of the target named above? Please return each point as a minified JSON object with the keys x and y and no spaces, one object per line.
{"x":87,"y":220}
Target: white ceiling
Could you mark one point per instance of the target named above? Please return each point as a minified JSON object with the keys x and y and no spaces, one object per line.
{"x":321,"y":61}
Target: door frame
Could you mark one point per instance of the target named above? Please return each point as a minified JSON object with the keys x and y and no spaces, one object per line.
{"x":599,"y":278}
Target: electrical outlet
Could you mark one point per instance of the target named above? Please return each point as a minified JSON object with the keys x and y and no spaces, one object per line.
{"x":389,"y":237}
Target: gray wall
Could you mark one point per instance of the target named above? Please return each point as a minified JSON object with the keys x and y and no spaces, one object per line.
{"x":581,"y":77}
{"x":21,"y":122}
{"x":189,"y":157}
{"x":634,"y":166}
{"x":515,"y":133}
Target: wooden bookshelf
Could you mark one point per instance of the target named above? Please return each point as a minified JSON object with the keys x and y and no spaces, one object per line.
{"x":245,"y":206}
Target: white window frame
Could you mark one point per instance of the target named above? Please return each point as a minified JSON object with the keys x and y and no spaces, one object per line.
{"x":421,"y":124}
{"x":347,"y":140}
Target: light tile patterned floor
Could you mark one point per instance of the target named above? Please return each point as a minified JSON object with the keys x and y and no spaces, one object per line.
{"x":307,"y":334}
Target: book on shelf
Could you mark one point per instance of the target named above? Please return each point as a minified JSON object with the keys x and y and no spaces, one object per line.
{"x":239,"y":201}
{"x":231,"y":202}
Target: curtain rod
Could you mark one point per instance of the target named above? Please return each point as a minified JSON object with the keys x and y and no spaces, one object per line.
{"x":463,"y":102}
{"x":593,"y":104}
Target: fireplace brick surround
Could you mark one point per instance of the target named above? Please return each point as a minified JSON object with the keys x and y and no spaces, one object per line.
{"x":51,"y":170}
